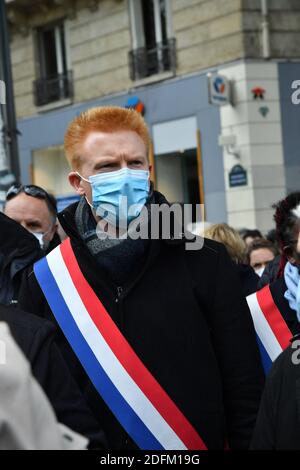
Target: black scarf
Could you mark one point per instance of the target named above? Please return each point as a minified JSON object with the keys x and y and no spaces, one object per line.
{"x":121,"y":258}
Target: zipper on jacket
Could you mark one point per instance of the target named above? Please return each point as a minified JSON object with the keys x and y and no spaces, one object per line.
{"x":119,"y":293}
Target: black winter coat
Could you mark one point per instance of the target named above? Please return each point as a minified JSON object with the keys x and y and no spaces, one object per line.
{"x":185,"y":317}
{"x":249,"y":279}
{"x":278,"y":422}
{"x":36,"y":338}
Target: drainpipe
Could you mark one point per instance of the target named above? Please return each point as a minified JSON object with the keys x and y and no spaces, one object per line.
{"x":265,"y":30}
{"x":9,"y":115}
{"x":6,"y":177}
{"x":3,"y":162}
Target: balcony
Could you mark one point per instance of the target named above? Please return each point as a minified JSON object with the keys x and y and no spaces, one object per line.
{"x":50,"y":90}
{"x":145,"y":62}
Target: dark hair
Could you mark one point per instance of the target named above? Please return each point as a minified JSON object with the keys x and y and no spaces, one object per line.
{"x":271,"y":236}
{"x":34,"y":191}
{"x":251,"y":233}
{"x":287,"y":226}
{"x":259,"y":243}
{"x":52,"y":204}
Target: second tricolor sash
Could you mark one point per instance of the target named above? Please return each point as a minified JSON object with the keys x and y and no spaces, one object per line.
{"x":272,"y":332}
{"x":134,"y":396}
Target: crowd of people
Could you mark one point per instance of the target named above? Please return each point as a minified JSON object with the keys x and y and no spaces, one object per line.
{"x":138,"y":343}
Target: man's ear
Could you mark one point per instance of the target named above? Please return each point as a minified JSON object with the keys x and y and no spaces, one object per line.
{"x":75,"y":181}
{"x":54,"y":229}
{"x":289,"y":253}
{"x":291,"y":259}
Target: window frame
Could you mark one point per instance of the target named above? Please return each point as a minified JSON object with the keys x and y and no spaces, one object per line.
{"x":137,"y":27}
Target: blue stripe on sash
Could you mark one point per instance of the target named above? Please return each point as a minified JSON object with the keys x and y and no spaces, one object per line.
{"x":266,"y":360}
{"x":106,"y":389}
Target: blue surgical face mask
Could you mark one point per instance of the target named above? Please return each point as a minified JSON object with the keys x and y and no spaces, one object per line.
{"x":119,"y":196}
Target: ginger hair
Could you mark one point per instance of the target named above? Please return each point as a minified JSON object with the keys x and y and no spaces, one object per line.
{"x":106,"y":119}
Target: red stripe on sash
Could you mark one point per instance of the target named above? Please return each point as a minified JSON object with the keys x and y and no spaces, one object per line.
{"x":274,"y":317}
{"x":127,"y":357}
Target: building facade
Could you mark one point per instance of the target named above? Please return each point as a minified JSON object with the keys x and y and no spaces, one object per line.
{"x":70,"y":55}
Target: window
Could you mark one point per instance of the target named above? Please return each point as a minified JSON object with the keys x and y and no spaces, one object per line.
{"x":176,"y":164}
{"x":153,"y":46}
{"x":54,"y":81}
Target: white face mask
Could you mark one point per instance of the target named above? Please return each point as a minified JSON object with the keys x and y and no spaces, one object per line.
{"x":260,"y":271}
{"x":39,"y":237}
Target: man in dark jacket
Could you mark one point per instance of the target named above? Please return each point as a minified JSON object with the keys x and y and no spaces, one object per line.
{"x":36,"y":338}
{"x":278,"y":422}
{"x":180,"y":311}
{"x":36,"y":210}
{"x":28,"y":230}
{"x":18,"y":249}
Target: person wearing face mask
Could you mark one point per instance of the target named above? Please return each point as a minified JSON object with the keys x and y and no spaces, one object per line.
{"x":259,"y":254}
{"x":35,"y":209}
{"x":276,"y":307}
{"x":235,"y":246}
{"x":19,"y":249}
{"x":158,"y":337}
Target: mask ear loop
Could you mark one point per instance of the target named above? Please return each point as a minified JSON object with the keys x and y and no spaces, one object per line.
{"x":84,"y":179}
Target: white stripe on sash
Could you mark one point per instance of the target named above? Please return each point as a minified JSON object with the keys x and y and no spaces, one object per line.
{"x":263,"y":329}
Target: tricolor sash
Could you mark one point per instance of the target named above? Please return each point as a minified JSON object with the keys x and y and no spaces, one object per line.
{"x":273,"y":334}
{"x":128,"y":388}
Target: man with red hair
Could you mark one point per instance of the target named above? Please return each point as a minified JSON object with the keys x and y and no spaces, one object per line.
{"x":158,"y":337}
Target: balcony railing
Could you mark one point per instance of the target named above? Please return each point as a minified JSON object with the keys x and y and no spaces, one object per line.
{"x":145,"y":62}
{"x":49,"y":90}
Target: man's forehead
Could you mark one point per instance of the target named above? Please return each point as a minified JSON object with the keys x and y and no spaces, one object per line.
{"x":25,"y":202}
{"x":110,"y":146}
{"x":109,"y":139}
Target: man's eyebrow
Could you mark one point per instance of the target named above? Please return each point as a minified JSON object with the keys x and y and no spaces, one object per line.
{"x":138,"y":156}
{"x":34,"y":221}
{"x":104,"y":163}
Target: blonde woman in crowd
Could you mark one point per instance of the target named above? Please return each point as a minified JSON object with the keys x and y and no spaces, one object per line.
{"x":236,"y":249}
